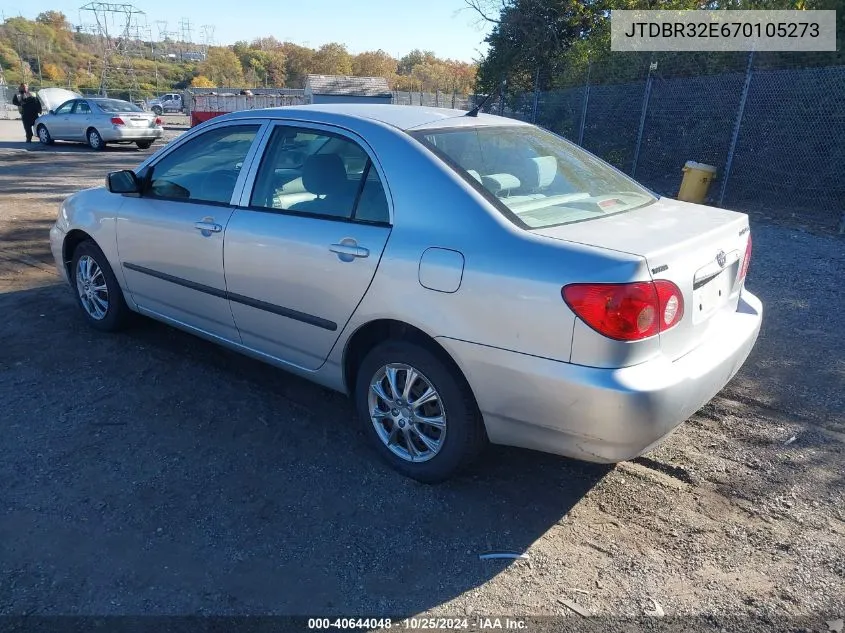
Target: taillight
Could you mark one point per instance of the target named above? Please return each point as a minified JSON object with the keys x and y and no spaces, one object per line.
{"x":746,"y":261}
{"x":158,"y":120}
{"x":627,"y":312}
{"x":116,"y":120}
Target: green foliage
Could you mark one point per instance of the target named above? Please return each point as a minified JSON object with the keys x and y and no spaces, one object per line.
{"x":560,"y":39}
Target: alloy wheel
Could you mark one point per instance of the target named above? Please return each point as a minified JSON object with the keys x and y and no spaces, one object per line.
{"x":92,"y":288}
{"x":407,"y":412}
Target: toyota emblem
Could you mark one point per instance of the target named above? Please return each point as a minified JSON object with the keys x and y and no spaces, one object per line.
{"x":721,"y":258}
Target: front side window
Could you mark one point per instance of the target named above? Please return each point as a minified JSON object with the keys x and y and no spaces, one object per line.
{"x":115,"y":106}
{"x":538,"y":178}
{"x":319,"y":173}
{"x":65,"y":108}
{"x":204,"y":169}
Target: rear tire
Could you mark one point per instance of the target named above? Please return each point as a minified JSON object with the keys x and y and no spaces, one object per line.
{"x":95,"y":140}
{"x":95,"y":287}
{"x":397,"y":426}
{"x":144,"y":144}
{"x":44,"y":135}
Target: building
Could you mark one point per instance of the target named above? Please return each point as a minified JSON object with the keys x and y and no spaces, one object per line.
{"x":341,"y":89}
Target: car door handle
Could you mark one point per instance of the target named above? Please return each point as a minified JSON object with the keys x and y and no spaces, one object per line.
{"x":209,"y":227}
{"x":349,"y":250}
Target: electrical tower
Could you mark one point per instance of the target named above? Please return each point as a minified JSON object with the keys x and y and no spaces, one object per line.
{"x":115,"y":28}
{"x":207,"y":31}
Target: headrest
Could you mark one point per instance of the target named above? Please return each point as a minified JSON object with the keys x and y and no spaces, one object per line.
{"x":498,"y":183}
{"x":324,"y":174}
{"x":474,"y":174}
{"x":545,"y":170}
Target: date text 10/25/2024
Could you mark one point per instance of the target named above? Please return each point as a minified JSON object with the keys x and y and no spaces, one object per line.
{"x":422,"y":623}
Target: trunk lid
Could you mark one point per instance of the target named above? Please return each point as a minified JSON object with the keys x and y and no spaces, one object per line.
{"x":698,"y":248}
{"x":137,"y":119}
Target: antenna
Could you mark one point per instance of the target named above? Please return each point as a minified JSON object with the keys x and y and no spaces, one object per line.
{"x":500,"y":90}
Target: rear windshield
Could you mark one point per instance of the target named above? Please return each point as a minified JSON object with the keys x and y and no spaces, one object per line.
{"x":116,"y":105}
{"x":534,"y":176}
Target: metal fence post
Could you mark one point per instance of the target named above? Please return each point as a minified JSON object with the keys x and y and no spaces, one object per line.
{"x":584,"y":105}
{"x":749,"y":71}
{"x":536,"y":96}
{"x":646,"y":97}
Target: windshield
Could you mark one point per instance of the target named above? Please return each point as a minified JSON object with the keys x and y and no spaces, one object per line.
{"x":538,"y":176}
{"x":116,"y":105}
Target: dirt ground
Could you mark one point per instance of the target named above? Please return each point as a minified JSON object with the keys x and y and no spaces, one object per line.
{"x":151,"y":472}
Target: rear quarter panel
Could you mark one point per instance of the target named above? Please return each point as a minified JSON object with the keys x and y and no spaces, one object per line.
{"x":510,"y":291}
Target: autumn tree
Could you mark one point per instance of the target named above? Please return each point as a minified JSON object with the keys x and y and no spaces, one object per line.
{"x":54,"y":19}
{"x":222,"y":67}
{"x":201,"y":81}
{"x":374,"y":64}
{"x":332,"y":59}
{"x":415,"y":57}
{"x":298,"y":63}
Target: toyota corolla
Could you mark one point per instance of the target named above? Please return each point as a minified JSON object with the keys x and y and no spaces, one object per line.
{"x":465,"y":278}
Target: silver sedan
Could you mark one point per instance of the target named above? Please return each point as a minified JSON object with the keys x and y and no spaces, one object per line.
{"x":463,"y":278}
{"x":97,"y":122}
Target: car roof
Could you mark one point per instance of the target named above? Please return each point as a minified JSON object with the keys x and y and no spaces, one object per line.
{"x":400,"y":116}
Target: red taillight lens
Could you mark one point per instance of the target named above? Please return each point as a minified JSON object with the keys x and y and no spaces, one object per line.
{"x":746,"y":260}
{"x":627,"y":312}
{"x":116,"y":120}
{"x":159,"y":121}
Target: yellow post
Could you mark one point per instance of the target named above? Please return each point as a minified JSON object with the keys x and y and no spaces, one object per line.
{"x":696,"y":182}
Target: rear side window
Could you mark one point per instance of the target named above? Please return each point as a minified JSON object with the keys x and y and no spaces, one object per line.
{"x":82,"y":107}
{"x":319,"y":173}
{"x":536,"y":178}
{"x":204,"y":169}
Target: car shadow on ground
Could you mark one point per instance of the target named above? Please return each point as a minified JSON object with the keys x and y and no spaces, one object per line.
{"x":194,"y":478}
{"x":60,"y":147}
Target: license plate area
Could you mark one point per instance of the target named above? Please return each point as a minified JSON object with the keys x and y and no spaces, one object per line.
{"x":711,"y":294}
{"x":139,"y":122}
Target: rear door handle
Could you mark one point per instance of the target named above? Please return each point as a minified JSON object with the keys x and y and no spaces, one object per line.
{"x":349,"y":250}
{"x":208,"y":227}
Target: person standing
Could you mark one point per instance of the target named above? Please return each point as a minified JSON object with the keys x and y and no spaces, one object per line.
{"x":29,"y":106}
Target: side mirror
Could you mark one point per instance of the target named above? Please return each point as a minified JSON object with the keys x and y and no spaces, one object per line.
{"x":124,"y":181}
{"x":51,"y":112}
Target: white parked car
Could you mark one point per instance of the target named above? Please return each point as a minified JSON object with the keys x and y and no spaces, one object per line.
{"x":464,"y":278}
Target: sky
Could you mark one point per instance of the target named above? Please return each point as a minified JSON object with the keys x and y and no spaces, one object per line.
{"x":446,"y":27}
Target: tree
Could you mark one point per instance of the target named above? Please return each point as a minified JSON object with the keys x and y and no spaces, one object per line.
{"x":332,"y":59}
{"x":201,"y":81}
{"x":275,"y":67}
{"x":374,"y":64}
{"x":51,"y":72}
{"x":416,"y":56}
{"x":55,"y":19}
{"x":298,"y":63}
{"x":222,"y":67}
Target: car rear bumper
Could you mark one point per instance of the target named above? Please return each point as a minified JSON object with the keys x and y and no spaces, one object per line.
{"x":602,"y":415}
{"x":126,"y":133}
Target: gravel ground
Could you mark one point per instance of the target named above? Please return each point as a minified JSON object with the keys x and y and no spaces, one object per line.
{"x":151,"y":472}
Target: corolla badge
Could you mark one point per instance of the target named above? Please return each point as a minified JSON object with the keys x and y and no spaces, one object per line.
{"x":721,"y":258}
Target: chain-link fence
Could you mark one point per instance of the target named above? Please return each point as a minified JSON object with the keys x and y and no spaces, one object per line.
{"x":772,"y":124}
{"x":432,"y":99}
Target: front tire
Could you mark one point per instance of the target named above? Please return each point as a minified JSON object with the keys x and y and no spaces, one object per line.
{"x":95,"y":287}
{"x":418,"y":411}
{"x":157,"y":110}
{"x":95,"y":140}
{"x":44,"y":135}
